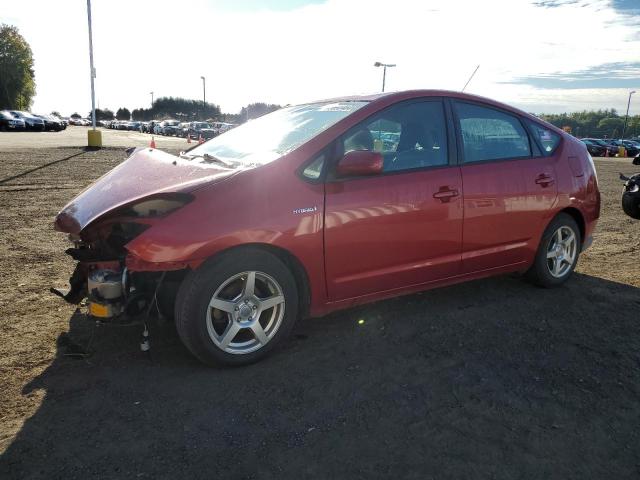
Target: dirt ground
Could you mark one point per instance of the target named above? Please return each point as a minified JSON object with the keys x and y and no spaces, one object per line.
{"x":491,"y":379}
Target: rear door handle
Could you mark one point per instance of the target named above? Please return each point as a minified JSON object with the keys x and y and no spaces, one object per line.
{"x":544,"y":180}
{"x":445,"y":194}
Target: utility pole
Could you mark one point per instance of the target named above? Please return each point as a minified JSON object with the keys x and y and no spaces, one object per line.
{"x":204,"y":97}
{"x":94,"y":137}
{"x":626,"y":117}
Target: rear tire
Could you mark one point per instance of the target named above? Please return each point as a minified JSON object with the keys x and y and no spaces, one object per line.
{"x":222,"y":319}
{"x":557,"y":253}
{"x":631,"y":204}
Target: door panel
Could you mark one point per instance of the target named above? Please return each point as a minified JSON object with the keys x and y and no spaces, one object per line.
{"x":390,"y":231}
{"x":505,"y":206}
{"x":495,"y":231}
{"x":507,"y":193}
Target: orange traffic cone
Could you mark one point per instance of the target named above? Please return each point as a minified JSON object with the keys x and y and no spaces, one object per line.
{"x":200,"y":139}
{"x":188,"y":138}
{"x":153,"y":143}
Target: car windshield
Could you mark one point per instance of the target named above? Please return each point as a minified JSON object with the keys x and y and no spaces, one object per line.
{"x":267,"y":138}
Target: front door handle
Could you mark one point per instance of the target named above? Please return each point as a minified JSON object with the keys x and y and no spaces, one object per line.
{"x":544,"y":180}
{"x":445,"y":194}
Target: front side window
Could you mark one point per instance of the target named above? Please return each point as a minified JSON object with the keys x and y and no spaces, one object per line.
{"x":489,"y":134}
{"x":408,"y":136}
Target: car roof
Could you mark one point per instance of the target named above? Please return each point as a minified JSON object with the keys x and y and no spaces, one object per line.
{"x":392,"y":97}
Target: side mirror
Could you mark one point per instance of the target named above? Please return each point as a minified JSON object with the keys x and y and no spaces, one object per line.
{"x":360,"y":162}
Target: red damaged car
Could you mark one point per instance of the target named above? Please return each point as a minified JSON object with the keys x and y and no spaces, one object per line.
{"x":327,"y":205}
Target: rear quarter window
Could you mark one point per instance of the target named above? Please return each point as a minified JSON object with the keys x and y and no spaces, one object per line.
{"x":548,"y":139}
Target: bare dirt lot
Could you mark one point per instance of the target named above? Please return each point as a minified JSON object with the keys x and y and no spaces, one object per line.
{"x":492,"y":379}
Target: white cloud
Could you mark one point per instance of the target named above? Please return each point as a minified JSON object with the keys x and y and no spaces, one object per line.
{"x":317,"y":51}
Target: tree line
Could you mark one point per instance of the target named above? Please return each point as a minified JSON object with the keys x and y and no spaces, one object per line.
{"x":595,"y":123}
{"x":184,"y":110}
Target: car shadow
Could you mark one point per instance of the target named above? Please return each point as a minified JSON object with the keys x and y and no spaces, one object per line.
{"x":494,"y":378}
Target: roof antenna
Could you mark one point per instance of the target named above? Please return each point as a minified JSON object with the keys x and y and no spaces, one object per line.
{"x":474,"y":72}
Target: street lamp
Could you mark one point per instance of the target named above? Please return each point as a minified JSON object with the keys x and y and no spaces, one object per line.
{"x":627,"y":115}
{"x":204,"y":96}
{"x":384,"y":71}
{"x":151,"y":99}
{"x":94,"y":137}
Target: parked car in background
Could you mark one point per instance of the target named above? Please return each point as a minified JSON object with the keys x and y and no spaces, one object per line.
{"x":31,"y":121}
{"x":608,"y":148}
{"x":631,"y":147}
{"x":10,"y":123}
{"x":135,"y":126}
{"x":221,"y":127}
{"x":183,"y":129}
{"x":52,"y":123}
{"x":326,"y":216}
{"x":198,"y":129}
{"x":171,"y":128}
{"x":150,"y":127}
{"x":593,"y":148}
{"x":64,"y":121}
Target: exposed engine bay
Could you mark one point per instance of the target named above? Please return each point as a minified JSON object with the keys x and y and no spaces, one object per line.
{"x":113,"y":291}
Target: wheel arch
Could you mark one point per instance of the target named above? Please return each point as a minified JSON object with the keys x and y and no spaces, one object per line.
{"x":579,"y":219}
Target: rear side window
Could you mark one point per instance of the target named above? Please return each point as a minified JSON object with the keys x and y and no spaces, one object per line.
{"x":489,"y":134}
{"x":548,"y":139}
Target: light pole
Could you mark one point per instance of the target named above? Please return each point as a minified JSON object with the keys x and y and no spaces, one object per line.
{"x":384,"y":71}
{"x":204,"y":97}
{"x":94,"y":137}
{"x":627,"y":115}
{"x":151,"y":99}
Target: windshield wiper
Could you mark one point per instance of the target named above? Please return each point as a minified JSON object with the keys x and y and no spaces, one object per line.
{"x":208,"y":158}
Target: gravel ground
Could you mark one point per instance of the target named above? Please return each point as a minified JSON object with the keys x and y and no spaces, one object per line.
{"x":490,"y":379}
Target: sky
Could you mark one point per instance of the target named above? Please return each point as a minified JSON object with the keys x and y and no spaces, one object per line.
{"x":544,"y":56}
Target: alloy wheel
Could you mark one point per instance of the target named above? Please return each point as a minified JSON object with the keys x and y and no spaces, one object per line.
{"x":562,"y":251}
{"x":245,"y":312}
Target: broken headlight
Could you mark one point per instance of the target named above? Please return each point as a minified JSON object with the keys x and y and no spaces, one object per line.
{"x":157,"y":206}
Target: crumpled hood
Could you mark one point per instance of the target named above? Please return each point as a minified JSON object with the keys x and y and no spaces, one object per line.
{"x":146,"y":172}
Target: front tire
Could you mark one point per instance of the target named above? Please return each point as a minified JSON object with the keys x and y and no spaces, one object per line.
{"x":236,"y":308}
{"x":557,"y":253}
